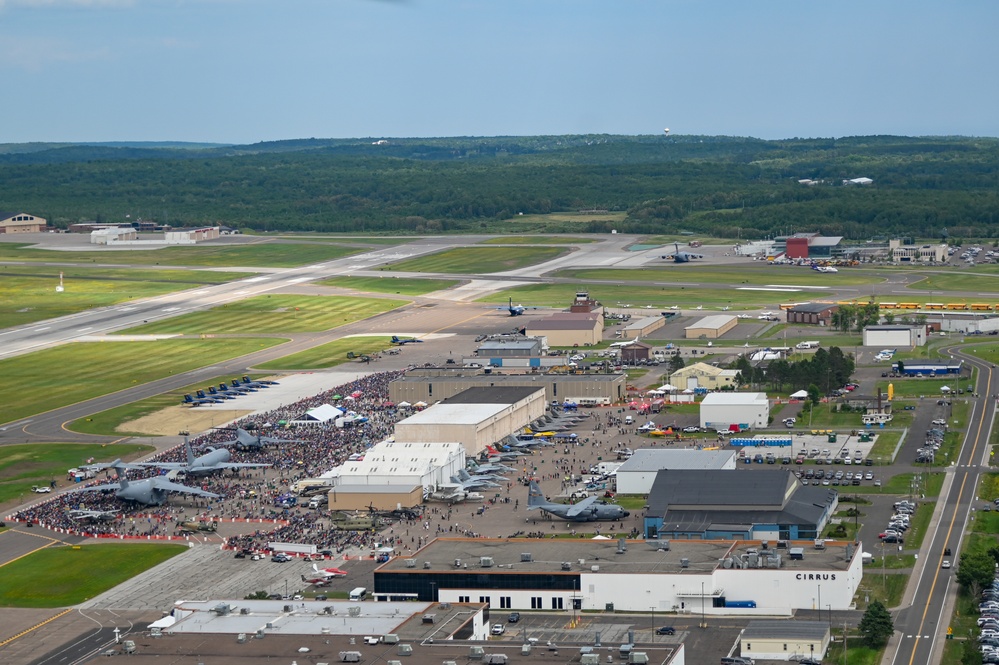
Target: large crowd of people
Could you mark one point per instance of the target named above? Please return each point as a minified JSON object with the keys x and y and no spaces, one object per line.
{"x":313,"y":448}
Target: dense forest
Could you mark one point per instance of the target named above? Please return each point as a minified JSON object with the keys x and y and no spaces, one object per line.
{"x":716,"y":186}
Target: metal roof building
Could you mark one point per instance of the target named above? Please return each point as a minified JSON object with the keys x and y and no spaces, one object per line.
{"x":760,"y":504}
{"x":775,"y":639}
{"x":637,"y":475}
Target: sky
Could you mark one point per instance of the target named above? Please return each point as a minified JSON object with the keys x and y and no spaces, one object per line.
{"x":243,"y":71}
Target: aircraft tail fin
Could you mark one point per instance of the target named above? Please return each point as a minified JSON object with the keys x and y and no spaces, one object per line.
{"x":535,"y":497}
{"x":464,"y":475}
{"x":395,"y":338}
{"x":190,"y":453}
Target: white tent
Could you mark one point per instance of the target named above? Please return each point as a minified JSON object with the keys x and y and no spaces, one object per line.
{"x":667,"y":387}
{"x":404,"y":405}
{"x":801,"y":394}
{"x":945,"y":389}
{"x":323,"y":413}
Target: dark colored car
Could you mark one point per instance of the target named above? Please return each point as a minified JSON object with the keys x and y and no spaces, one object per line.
{"x":514,"y":617}
{"x":666,"y":630}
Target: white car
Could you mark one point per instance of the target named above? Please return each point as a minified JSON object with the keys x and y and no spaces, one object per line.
{"x":498,"y":629}
{"x":41,"y":489}
{"x":690,"y":429}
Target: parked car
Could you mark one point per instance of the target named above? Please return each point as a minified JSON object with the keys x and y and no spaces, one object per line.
{"x":666,"y":630}
{"x":514,"y":617}
{"x":498,"y":629}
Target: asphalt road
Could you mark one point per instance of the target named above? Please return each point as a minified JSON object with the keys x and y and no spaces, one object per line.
{"x":922,"y":627}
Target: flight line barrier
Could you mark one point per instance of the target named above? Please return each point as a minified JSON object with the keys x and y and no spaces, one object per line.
{"x":758,"y":441}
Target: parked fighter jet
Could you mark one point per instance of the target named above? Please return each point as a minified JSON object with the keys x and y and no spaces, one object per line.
{"x":149,"y":492}
{"x":587,"y":510}
{"x":246,"y":441}
{"x":405,"y":340}
{"x":215,"y":460}
{"x":92,"y":515}
{"x":515,"y":310}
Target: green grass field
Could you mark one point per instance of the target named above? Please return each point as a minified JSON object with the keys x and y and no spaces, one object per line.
{"x":968,"y":282}
{"x":330,"y":355}
{"x":261,"y":254}
{"x":751,"y":273}
{"x":917,"y":387}
{"x":22,"y":466}
{"x":478,"y":260}
{"x":276,"y":313}
{"x":537,"y":240}
{"x":28,"y":293}
{"x":888,"y":589}
{"x":44,"y":380}
{"x":61,"y":576}
{"x":405,"y":287}
{"x":639,"y":296}
{"x":333,"y":238}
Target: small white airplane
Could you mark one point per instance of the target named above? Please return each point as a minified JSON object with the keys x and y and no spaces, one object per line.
{"x":699,"y":307}
{"x":819,"y":268}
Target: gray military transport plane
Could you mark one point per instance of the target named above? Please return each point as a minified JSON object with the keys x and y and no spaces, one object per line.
{"x":203,"y":465}
{"x":246,"y":441}
{"x":587,"y":510}
{"x":149,"y":492}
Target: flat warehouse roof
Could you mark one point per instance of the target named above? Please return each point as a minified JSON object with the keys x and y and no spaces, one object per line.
{"x":455,"y":414}
{"x":492,"y":395}
{"x":732,"y":398}
{"x":653,"y":459}
{"x":713,"y":321}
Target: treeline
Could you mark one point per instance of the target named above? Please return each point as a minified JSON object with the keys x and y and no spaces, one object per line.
{"x":720,"y":186}
{"x":819,"y":374}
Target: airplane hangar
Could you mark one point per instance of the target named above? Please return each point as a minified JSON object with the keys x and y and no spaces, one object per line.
{"x":744,"y":578}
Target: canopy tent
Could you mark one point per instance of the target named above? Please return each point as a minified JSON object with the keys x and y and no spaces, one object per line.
{"x":801,"y":394}
{"x":945,"y":389}
{"x":667,"y":387}
{"x":404,"y":405}
{"x":323,"y":413}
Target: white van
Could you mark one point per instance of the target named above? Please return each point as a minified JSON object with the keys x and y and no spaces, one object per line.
{"x":360,"y":593}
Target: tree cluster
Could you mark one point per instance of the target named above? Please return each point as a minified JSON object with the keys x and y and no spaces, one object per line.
{"x":722,"y":186}
{"x":818,"y":374}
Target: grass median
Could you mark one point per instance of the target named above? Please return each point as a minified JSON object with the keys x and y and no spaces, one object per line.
{"x":478,"y":260}
{"x":397,"y":285}
{"x":61,"y":576}
{"x":45,"y":380}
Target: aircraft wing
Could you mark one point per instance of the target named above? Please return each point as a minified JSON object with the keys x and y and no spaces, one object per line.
{"x":97,"y":488}
{"x":162,"y":484}
{"x":240,"y":465}
{"x":581,"y":507}
{"x":162,"y":465}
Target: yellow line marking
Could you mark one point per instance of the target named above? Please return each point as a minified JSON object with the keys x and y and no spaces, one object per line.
{"x":34,"y":628}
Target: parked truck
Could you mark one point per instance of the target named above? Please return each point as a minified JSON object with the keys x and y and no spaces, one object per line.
{"x":807,"y":345}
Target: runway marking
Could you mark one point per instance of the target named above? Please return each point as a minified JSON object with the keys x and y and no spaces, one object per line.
{"x":767,"y":288}
{"x":796,"y":286}
{"x":199,"y":292}
{"x":171,"y":309}
{"x":85,"y":329}
{"x":126,"y":309}
{"x":41,"y":329}
{"x":299,"y":280}
{"x":256,"y":279}
{"x":34,"y":628}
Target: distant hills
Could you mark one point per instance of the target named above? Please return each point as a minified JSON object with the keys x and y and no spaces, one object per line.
{"x":722,"y":186}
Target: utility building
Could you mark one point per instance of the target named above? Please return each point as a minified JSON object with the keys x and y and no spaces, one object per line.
{"x":775,"y":639}
{"x":711,"y":327}
{"x":734,"y":412}
{"x":894,"y":336}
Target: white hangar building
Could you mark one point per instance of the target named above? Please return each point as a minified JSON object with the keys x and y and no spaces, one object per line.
{"x":732,"y":411}
{"x":477,"y":417}
{"x":637,"y":475}
{"x":894,"y":336}
{"x":740,"y":578}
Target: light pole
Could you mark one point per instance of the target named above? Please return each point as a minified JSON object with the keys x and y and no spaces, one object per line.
{"x":703,"y":623}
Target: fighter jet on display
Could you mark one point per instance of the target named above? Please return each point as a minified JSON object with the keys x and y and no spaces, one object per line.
{"x":405,"y":340}
{"x":93,"y":515}
{"x":321,"y":576}
{"x":587,"y":510}
{"x":149,"y":492}
{"x":467,"y":483}
{"x":490,"y":469}
{"x":681,"y":256}
{"x":204,"y":465}
{"x":246,"y":441}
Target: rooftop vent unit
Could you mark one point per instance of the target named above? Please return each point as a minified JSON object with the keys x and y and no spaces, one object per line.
{"x":566,"y":565}
{"x":622,"y":547}
{"x":426,"y":565}
{"x":486,"y":561}
{"x":594,"y":569}
{"x":350,"y":656}
{"x":241,"y":638}
{"x":353,"y":611}
{"x":289,"y":609}
{"x":685,"y":563}
{"x":244,"y":610}
{"x":410,"y":563}
{"x":457,"y":563}
{"x":526,"y":557}
{"x":404,"y":650}
{"x":476,"y":653}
